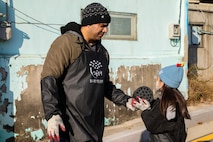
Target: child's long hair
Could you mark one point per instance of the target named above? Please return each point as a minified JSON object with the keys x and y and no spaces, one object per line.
{"x":172,"y":96}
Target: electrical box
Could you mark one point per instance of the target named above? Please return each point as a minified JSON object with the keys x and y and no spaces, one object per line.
{"x":5,"y":30}
{"x":5,"y":26}
{"x":174,"y":31}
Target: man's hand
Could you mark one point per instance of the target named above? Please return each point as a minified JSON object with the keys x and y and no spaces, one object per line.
{"x":143,"y":104}
{"x":53,"y":125}
{"x":131,"y":104}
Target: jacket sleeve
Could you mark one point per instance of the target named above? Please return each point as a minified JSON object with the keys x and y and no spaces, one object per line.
{"x":115,"y":95}
{"x":58,"y":57}
{"x":57,"y":60}
{"x":50,"y":97}
{"x":155,"y":122}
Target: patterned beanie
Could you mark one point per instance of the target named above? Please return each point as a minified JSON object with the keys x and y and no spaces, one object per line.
{"x":172,"y":75}
{"x":95,"y":13}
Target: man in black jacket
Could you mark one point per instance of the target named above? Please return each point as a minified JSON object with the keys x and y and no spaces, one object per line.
{"x":75,"y":80}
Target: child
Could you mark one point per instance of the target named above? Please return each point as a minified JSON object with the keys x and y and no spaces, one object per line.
{"x":164,"y":116}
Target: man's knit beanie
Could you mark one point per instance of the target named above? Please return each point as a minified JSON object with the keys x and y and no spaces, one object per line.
{"x":172,"y":75}
{"x":95,"y":13}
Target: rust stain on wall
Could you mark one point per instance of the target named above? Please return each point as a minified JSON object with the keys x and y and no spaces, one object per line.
{"x":130,"y":78}
{"x":135,"y":76}
{"x":29,"y":112}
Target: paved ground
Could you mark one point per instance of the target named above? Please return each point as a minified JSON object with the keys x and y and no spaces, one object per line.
{"x":201,"y":124}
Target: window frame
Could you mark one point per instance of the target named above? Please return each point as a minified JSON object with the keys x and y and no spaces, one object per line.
{"x":133,"y":26}
{"x":201,"y":44}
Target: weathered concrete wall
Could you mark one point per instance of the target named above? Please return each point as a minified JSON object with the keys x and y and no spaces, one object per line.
{"x":22,"y":110}
{"x":202,"y":57}
{"x":29,"y":110}
{"x":129,"y":78}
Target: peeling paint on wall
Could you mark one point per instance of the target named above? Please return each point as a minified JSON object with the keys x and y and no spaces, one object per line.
{"x":3,"y":74}
{"x":6,"y":117}
{"x":129,"y":79}
{"x":29,"y":114}
{"x":4,"y":103}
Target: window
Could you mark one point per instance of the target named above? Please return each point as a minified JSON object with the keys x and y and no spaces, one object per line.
{"x":122,"y":26}
{"x":195,"y":35}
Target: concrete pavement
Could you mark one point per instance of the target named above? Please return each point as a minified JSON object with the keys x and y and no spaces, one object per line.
{"x":201,"y":124}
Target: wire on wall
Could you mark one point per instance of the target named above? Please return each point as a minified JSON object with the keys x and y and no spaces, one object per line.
{"x":35,"y":24}
{"x":39,"y":24}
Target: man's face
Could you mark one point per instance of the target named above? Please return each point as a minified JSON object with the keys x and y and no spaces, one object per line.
{"x":96,"y":31}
